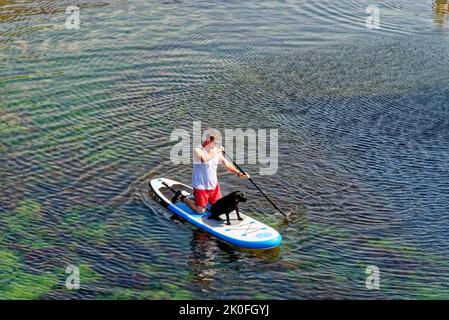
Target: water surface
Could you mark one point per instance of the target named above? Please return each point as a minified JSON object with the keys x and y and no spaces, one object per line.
{"x":363,"y":141}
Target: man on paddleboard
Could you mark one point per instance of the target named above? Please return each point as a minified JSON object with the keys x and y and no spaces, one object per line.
{"x":206,"y":158}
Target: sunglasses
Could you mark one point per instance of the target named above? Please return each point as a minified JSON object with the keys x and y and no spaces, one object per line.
{"x":212,"y":139}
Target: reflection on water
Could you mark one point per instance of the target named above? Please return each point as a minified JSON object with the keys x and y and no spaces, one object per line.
{"x":209,"y":256}
{"x":441,"y":10}
{"x":203,"y":257}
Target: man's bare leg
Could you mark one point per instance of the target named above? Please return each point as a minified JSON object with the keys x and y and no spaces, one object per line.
{"x":193,"y":206}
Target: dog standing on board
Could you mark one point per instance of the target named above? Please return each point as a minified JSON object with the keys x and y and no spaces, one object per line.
{"x":226,"y":205}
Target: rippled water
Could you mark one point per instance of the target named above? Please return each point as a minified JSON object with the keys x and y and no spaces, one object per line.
{"x":363,"y":127}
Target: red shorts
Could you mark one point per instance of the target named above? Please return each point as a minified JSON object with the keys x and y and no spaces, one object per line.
{"x":203,"y":197}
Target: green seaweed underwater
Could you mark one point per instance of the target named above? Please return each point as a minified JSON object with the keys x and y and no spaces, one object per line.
{"x":32,"y":264}
{"x":17,"y":284}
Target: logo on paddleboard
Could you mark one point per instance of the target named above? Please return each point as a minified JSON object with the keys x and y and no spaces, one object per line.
{"x":263,"y":235}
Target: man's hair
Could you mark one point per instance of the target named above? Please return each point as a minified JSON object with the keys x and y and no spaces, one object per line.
{"x":213,"y":135}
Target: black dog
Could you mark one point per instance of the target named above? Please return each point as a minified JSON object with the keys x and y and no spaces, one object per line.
{"x":226,"y":205}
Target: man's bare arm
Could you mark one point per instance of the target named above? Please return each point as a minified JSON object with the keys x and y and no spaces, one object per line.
{"x":231,"y":168}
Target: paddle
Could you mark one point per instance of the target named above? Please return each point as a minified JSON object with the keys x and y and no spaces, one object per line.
{"x":251,"y":180}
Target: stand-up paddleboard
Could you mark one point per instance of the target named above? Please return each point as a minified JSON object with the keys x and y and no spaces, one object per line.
{"x":248,"y":233}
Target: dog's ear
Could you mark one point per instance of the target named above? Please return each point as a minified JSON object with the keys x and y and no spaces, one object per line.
{"x":241,"y":196}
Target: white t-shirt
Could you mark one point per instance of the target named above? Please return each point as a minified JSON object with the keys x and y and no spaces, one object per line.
{"x":204,"y":175}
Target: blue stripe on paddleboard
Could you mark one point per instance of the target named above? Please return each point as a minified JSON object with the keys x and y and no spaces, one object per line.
{"x":241,"y":243}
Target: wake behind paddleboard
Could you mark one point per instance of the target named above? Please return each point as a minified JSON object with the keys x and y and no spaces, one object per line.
{"x":248,"y":233}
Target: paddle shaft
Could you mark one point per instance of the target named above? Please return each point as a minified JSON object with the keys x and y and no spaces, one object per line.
{"x":257,"y":187}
